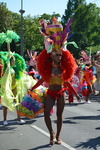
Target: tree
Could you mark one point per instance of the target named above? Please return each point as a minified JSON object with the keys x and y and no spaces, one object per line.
{"x":32,"y":37}
{"x":48,"y":16}
{"x":72,"y":5}
{"x":86,"y":26}
{"x":8,"y":21}
{"x":33,"y":40}
{"x":5,"y":18}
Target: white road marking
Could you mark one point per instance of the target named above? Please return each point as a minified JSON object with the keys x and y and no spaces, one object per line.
{"x":47,"y":134}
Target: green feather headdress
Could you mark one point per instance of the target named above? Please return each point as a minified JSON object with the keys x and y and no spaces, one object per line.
{"x":8,"y":37}
{"x":20,"y":65}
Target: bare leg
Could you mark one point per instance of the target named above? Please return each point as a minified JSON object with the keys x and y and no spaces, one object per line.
{"x":5,"y":113}
{"x":88,"y":95}
{"x":20,"y":121}
{"x":70,"y":96}
{"x":60,"y":108}
{"x":15,"y":93}
{"x":18,"y":116}
{"x":93,"y":89}
{"x":49,"y":103}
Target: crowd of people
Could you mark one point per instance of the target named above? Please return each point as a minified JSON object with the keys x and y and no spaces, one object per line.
{"x":35,"y":86}
{"x":85,"y":77}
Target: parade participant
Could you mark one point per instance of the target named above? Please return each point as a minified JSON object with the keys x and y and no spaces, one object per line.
{"x":88,"y":77}
{"x":1,"y":73}
{"x":12,"y":70}
{"x":32,"y":69}
{"x":32,"y":103}
{"x":11,"y":90}
{"x":97,"y":65}
{"x":56,"y":66}
{"x":75,"y":83}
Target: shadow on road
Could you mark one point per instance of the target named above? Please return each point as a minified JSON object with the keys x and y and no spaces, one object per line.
{"x":85,"y":117}
{"x":93,"y":143}
{"x":95,"y":98}
{"x":41,"y":147}
{"x":98,"y":128}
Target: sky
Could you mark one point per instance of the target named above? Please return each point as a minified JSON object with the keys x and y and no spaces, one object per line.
{"x":39,"y":7}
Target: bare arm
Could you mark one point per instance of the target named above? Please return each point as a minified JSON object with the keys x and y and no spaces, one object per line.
{"x":39,"y":82}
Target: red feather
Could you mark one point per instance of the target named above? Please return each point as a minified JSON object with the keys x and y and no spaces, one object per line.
{"x":44,"y":65}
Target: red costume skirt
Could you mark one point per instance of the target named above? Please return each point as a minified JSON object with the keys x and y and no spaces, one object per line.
{"x":56,"y":94}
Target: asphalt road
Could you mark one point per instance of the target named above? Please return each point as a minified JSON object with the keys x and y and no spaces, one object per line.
{"x":80,"y":130}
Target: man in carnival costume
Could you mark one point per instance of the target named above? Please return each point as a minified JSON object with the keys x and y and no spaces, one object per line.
{"x":12,"y":70}
{"x":56,"y":66}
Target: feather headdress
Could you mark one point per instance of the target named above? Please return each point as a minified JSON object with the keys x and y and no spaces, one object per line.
{"x":54,"y":34}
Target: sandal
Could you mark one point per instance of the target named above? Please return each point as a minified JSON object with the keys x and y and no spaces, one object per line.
{"x":52,"y":138}
{"x":58,"y":140}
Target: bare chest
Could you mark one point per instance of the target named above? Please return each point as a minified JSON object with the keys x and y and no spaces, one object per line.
{"x":56,"y":70}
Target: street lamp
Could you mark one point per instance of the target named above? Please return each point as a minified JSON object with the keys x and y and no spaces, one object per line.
{"x":21,"y":31}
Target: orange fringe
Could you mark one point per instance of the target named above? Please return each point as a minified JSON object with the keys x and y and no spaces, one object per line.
{"x":21,"y":114}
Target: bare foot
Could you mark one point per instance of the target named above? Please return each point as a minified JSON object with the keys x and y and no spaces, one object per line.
{"x":58,"y":140}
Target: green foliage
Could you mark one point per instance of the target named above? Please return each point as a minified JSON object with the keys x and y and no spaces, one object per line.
{"x":5,"y":18}
{"x":72,"y":5}
{"x":85,"y":26}
{"x":32,"y":38}
{"x":48,"y":17}
{"x":9,"y":21}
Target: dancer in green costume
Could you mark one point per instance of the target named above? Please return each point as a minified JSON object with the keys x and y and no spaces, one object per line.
{"x":13,"y":67}
{"x":14,"y":80}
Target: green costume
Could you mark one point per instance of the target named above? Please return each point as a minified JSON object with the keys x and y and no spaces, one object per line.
{"x":15,"y":80}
